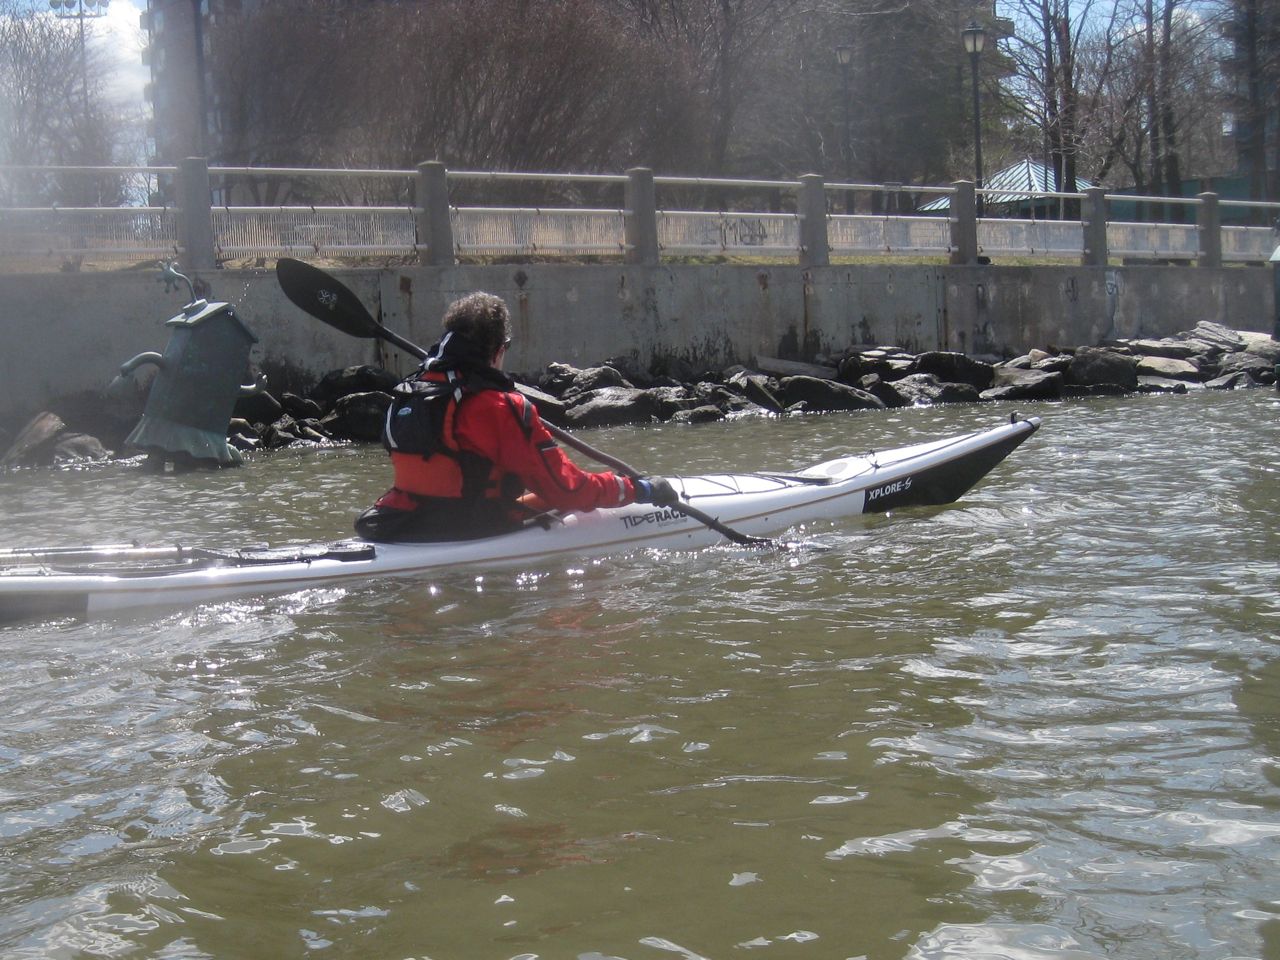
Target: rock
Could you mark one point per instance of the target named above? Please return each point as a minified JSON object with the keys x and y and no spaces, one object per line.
{"x":1232,"y":381}
{"x":358,"y":416}
{"x":1152,"y":384}
{"x":820,"y":394}
{"x":34,"y":443}
{"x":882,"y":390}
{"x":549,"y":408}
{"x":703,"y":414}
{"x":1055,"y":363}
{"x":73,"y":448}
{"x":280,"y":433}
{"x":1224,"y":338}
{"x":925,"y":389}
{"x":1119,"y":346}
{"x":288,"y":431}
{"x":261,"y":408}
{"x":1262,"y":371}
{"x":312,"y":430}
{"x":665,"y":381}
{"x":718,"y":395}
{"x":1012,"y":383}
{"x":955,"y":368}
{"x":1203,"y":351}
{"x":300,"y":408}
{"x":669,"y":402}
{"x":1169,"y":368}
{"x":887,"y":364}
{"x":1167,"y":347}
{"x":556,"y":379}
{"x":242,"y":442}
{"x":611,"y":407}
{"x":364,"y":378}
{"x":243,"y":428}
{"x":106,"y":415}
{"x":1095,"y":366}
{"x":886,"y":353}
{"x":792,"y":368}
{"x":757,"y":388}
{"x":1261,"y":345}
{"x":594,"y":378}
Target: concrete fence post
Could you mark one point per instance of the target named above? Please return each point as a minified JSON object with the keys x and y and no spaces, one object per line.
{"x":640,"y":220}
{"x":435,"y":227}
{"x":815,"y":248}
{"x":964,"y":223}
{"x":1209,"y":229}
{"x":195,"y":217}
{"x":1094,"y":222}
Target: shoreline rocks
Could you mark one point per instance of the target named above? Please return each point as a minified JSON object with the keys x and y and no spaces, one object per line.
{"x":349,"y":405}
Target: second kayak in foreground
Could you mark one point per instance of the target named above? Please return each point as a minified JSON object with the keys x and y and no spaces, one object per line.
{"x":88,"y":580}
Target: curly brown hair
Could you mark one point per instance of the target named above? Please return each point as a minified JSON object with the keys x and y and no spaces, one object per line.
{"x":482,"y":318}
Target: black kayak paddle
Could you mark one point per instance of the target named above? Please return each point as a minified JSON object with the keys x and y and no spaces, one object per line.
{"x":329,"y":300}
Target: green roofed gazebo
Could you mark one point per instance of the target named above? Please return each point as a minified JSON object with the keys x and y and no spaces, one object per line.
{"x":1017,"y":186}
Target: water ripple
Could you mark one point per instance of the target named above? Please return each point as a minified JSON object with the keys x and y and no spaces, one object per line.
{"x":1042,"y":722}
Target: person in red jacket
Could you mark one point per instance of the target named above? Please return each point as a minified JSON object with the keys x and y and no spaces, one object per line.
{"x":470,"y":455}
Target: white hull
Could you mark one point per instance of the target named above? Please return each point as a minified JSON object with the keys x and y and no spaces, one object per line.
{"x":100,"y":580}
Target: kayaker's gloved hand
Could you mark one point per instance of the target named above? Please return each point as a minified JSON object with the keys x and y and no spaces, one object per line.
{"x":655,"y":490}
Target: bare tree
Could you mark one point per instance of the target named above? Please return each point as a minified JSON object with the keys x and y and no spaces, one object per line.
{"x":1050,"y":83}
{"x":480,"y":84}
{"x":1253,"y":67}
{"x":53,"y":111}
{"x":731,"y":43}
{"x":1157,"y":108}
{"x":283,"y":74}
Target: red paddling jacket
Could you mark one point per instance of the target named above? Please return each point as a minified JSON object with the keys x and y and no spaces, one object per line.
{"x":465,"y":447}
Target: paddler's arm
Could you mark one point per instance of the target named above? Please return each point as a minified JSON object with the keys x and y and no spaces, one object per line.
{"x":505,"y":428}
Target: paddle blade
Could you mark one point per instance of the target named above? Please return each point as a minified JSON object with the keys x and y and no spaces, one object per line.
{"x":325,"y":298}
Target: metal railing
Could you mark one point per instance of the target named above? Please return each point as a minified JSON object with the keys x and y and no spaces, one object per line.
{"x":702,"y":233}
{"x":305,"y":231}
{"x":535,"y":231}
{"x":432,"y":226}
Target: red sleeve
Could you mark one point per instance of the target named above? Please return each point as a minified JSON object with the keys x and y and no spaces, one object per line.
{"x":505,"y":428}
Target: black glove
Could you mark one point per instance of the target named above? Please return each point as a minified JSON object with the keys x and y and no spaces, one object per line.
{"x":655,"y":490}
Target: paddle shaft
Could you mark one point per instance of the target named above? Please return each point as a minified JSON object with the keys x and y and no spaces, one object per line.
{"x":345,"y":312}
{"x":693,"y":513}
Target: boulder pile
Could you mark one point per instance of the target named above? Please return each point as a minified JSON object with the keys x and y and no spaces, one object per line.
{"x":350,"y":405}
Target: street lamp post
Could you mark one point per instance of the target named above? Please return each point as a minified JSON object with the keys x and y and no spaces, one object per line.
{"x":75,"y":10}
{"x":975,"y":38}
{"x":844,"y":57}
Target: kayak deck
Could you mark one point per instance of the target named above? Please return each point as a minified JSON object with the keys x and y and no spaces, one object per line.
{"x":87,"y":580}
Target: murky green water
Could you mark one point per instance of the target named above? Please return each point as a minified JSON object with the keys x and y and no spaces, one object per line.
{"x":1041,"y":723}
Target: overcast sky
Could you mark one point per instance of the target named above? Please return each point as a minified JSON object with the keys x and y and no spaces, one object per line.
{"x":123,"y":39}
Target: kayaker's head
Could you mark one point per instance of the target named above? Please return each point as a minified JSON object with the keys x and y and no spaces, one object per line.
{"x":483,"y":319}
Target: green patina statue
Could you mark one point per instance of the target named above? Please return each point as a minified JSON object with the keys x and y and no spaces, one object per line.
{"x":196,"y":385}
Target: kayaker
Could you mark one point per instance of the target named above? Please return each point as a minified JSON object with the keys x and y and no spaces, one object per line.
{"x":471,"y":457}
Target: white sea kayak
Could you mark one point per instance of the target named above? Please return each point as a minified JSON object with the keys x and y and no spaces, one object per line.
{"x":90,"y":580}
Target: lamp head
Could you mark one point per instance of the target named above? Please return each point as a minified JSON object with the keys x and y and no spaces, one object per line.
{"x":975,"y":38}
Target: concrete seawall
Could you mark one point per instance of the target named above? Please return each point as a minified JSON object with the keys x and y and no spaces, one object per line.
{"x":63,"y":334}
